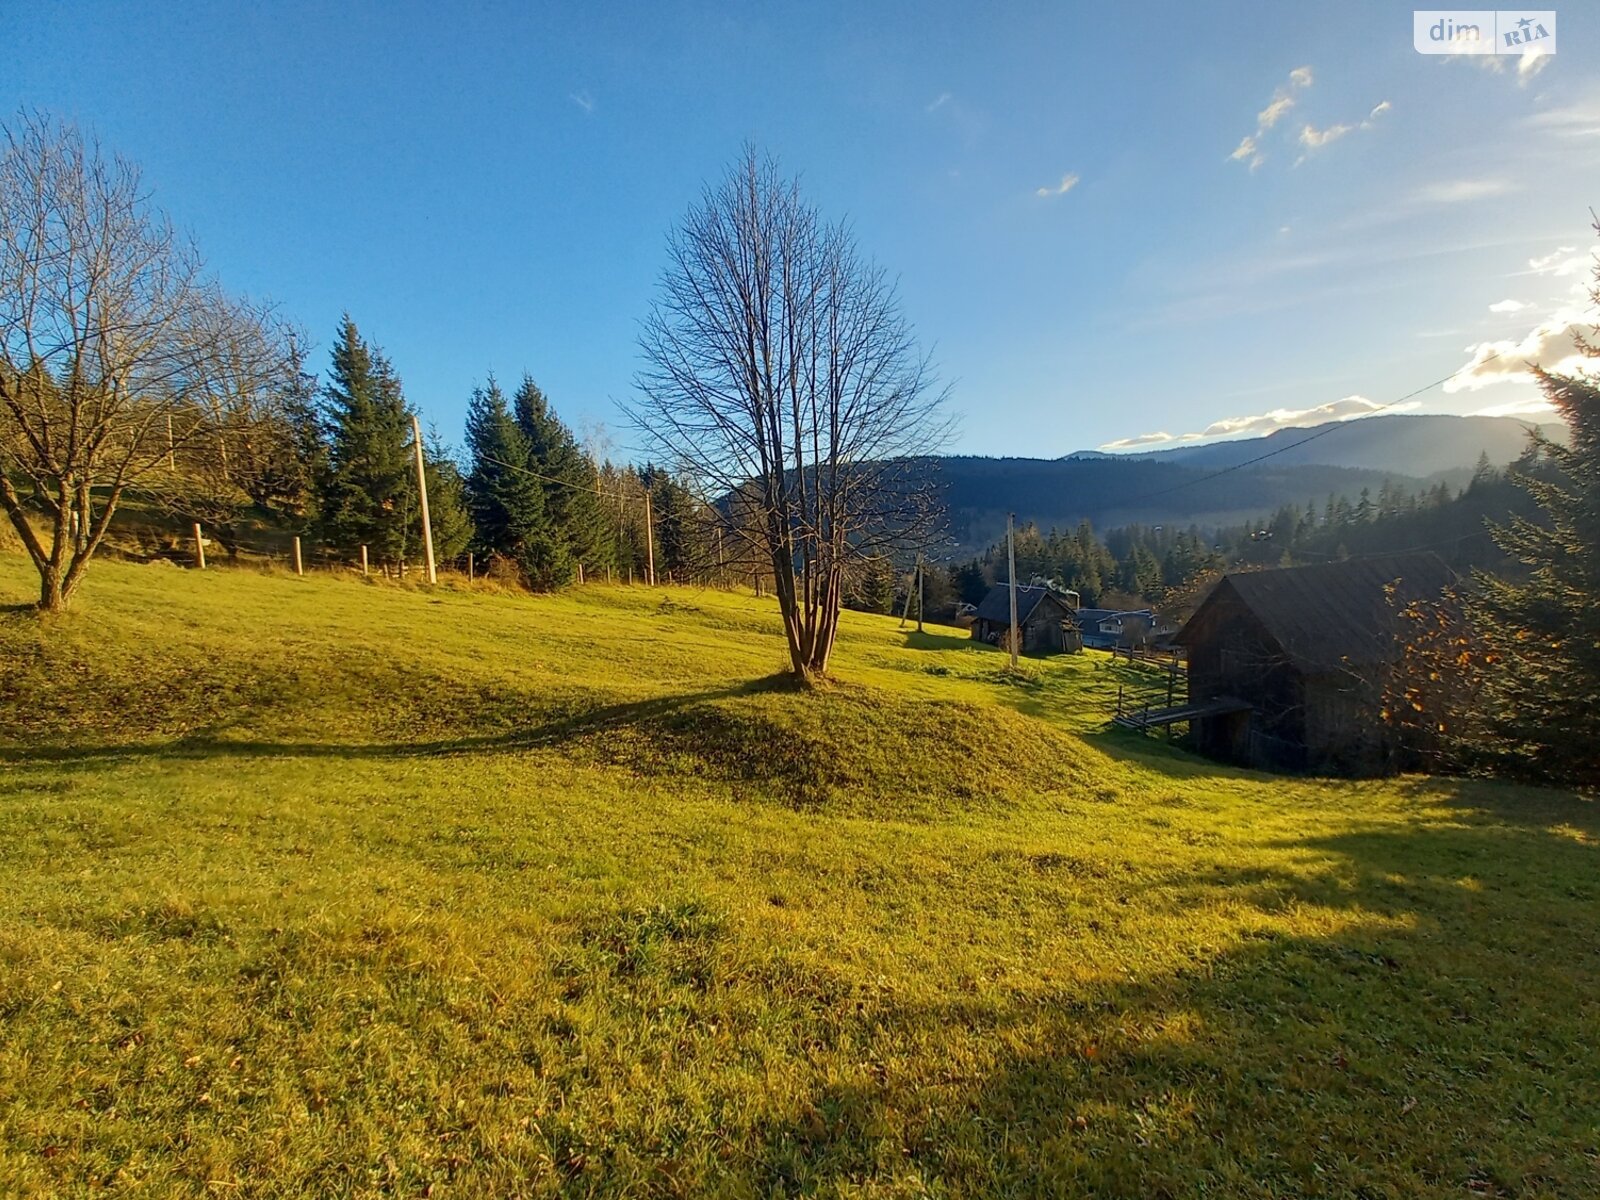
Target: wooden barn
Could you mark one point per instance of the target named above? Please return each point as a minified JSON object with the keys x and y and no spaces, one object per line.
{"x":1044,"y":617}
{"x":1299,"y":655}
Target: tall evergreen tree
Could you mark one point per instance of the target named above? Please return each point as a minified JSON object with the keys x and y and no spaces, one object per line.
{"x":447,"y":501}
{"x":308,"y":440}
{"x":506,"y":503}
{"x":970,"y":583}
{"x":369,"y":497}
{"x":579,"y":522}
{"x":1542,"y":700}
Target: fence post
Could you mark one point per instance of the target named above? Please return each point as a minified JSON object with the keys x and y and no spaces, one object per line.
{"x":199,"y":548}
{"x":299,"y":567}
{"x":580,"y":573}
{"x":364,"y":570}
{"x":471,"y":572}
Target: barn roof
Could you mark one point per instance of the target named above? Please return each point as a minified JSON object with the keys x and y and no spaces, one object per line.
{"x":1329,"y":614}
{"x":996,"y":605}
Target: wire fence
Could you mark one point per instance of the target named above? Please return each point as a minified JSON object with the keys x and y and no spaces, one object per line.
{"x":206,"y":548}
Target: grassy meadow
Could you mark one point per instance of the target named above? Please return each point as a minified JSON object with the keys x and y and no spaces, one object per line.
{"x":324,"y":887}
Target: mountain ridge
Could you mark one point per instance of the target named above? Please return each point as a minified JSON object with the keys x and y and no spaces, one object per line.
{"x":1419,"y":444}
{"x":1218,"y":484}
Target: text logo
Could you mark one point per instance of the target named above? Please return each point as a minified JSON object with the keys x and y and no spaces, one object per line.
{"x":1484,"y":31}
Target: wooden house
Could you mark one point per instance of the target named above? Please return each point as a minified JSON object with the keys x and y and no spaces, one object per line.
{"x":1044,"y":619}
{"x":1299,"y":655}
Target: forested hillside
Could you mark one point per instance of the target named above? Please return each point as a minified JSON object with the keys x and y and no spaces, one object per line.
{"x":979,"y":492}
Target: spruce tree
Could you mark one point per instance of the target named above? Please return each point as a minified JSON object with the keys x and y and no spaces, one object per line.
{"x":1542,"y":700}
{"x":506,"y":503}
{"x":369,"y":496}
{"x":447,"y":502}
{"x":580,"y":528}
{"x":309,"y":444}
{"x":970,"y":582}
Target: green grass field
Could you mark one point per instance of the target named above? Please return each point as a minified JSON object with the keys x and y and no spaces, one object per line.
{"x":315,"y":887}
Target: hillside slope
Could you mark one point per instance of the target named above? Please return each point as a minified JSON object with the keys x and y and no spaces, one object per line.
{"x":318,"y":887}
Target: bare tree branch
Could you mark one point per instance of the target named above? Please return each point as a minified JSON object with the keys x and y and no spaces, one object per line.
{"x":782,"y":379}
{"x":111,"y":334}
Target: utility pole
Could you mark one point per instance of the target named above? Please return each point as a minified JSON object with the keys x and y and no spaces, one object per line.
{"x":422,"y":492}
{"x":1011,"y":568}
{"x":649,"y":542}
{"x":920,"y":591}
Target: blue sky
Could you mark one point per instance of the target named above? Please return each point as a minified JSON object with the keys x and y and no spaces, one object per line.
{"x":1080,"y":231}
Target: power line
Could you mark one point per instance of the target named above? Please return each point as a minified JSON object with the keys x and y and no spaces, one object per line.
{"x":1330,"y":428}
{"x":618,"y":496}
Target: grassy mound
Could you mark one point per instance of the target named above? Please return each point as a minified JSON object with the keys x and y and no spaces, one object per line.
{"x":858,"y":750}
{"x":322,"y":888}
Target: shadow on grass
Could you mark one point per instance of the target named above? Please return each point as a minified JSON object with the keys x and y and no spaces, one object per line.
{"x":551,"y":731}
{"x":1434,"y":1042}
{"x":924,"y":640}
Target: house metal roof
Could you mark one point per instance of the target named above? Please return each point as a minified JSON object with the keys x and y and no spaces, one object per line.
{"x":996,"y":605}
{"x":1329,"y":615}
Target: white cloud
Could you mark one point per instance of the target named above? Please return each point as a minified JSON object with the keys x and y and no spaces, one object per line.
{"x":1547,"y":260}
{"x":1531,"y":406}
{"x":1282,"y":102}
{"x":1459,"y":191}
{"x":583,"y":100}
{"x":1551,"y":344}
{"x":1312,"y":139}
{"x":1248,"y":150}
{"x":1508,"y":306}
{"x":1349,"y":408}
{"x":939,"y":102}
{"x":1579,"y":120}
{"x":1068,"y":182}
{"x":1530,"y":63}
{"x":1148,"y":439}
{"x":1562,"y":263}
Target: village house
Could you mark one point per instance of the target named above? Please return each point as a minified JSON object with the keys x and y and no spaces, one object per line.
{"x":1045,"y":618}
{"x":1108,"y":628}
{"x":1291,"y":663}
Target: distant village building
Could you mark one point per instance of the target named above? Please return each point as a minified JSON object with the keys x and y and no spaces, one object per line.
{"x":1109,"y":628}
{"x":1044,"y":618}
{"x":1299,"y":655}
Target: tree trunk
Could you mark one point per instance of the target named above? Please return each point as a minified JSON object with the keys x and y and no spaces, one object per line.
{"x":52,"y":596}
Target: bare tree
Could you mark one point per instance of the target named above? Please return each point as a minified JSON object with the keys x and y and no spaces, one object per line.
{"x":119,"y":355}
{"x":782,"y":377}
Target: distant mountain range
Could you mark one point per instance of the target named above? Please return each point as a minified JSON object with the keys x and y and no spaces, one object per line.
{"x":1414,"y":445}
{"x":1181,"y":485}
